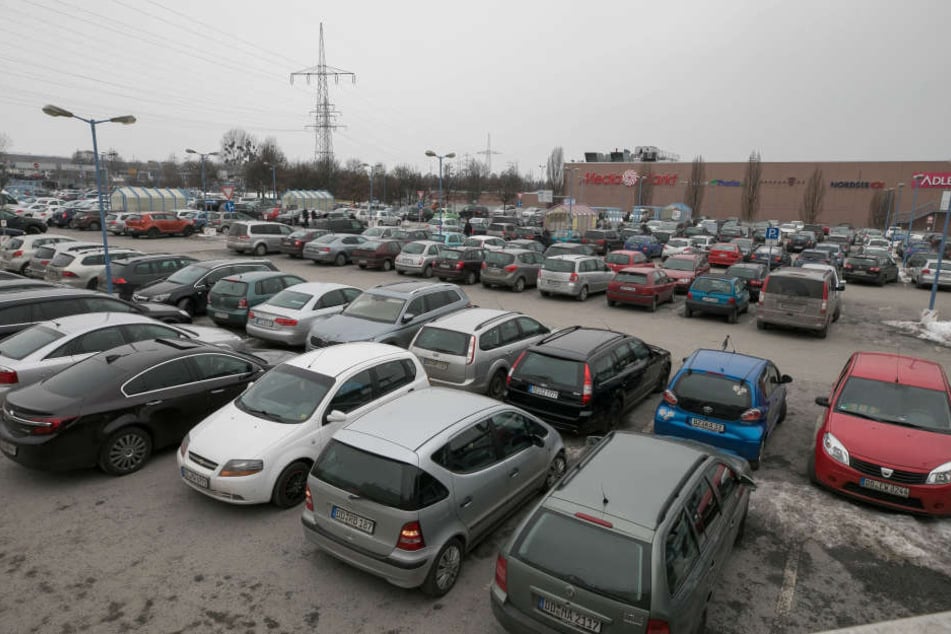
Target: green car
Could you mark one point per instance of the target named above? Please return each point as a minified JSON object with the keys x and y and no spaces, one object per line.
{"x":231,"y":297}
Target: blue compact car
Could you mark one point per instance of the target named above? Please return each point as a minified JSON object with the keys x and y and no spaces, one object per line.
{"x":729,"y":400}
{"x":719,"y":295}
{"x":648,"y":245}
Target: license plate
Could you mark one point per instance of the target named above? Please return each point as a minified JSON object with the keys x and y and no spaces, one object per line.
{"x":712,"y":300}
{"x":884,"y":487}
{"x":8,"y":448}
{"x":708,"y":425}
{"x":221,"y":315}
{"x":362,"y":261}
{"x":629,"y":288}
{"x":352,"y":519}
{"x":435,"y":363}
{"x":542,"y":391}
{"x":264,"y":323}
{"x":195,"y":478}
{"x":568,"y":615}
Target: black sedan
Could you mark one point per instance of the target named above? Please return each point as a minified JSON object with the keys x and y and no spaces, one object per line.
{"x":877,"y":269}
{"x":22,"y":223}
{"x":461,"y":264}
{"x":753,"y":272}
{"x":113,"y":409}
{"x":774,"y":257}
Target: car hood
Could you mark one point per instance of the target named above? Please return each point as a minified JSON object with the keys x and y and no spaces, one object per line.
{"x":906,"y":447}
{"x":230,"y":434}
{"x":344,"y":329}
{"x":158,"y":287}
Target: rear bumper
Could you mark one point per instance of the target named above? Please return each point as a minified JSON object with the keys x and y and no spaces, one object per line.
{"x":286,"y":336}
{"x":630,"y":298}
{"x":742,"y":440}
{"x":775,"y":317}
{"x":710,"y":307}
{"x":513,"y":619}
{"x":230,"y":317}
{"x":49,"y":453}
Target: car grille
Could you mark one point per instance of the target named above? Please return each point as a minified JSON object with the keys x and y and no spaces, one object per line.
{"x":912,"y":503}
{"x":201,"y":460}
{"x":317,"y":342}
{"x":874,"y":470}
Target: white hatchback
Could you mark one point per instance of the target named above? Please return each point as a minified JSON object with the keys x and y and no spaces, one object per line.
{"x":260,"y":447}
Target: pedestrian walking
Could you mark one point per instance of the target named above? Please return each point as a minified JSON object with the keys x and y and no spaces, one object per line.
{"x":467,"y":230}
{"x":306,"y":217}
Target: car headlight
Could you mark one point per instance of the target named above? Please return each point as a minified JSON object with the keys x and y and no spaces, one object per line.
{"x":158,"y":298}
{"x":238,"y":468}
{"x":835,"y":449}
{"x":940,"y":475}
{"x":183,"y":448}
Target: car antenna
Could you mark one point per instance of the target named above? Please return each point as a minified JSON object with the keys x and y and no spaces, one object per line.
{"x":604,"y":498}
{"x":727,"y":343}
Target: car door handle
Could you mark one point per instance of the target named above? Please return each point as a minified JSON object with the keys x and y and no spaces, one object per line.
{"x":513,"y":473}
{"x":713,"y":562}
{"x":218,"y":391}
{"x":466,"y":503}
{"x":153,"y":402}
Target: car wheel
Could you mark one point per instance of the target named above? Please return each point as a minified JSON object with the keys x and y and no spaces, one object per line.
{"x":583,"y":294}
{"x":519,"y":285}
{"x":153,"y":232}
{"x":544,"y":293}
{"x":811,"y":467}
{"x":470,"y":278}
{"x":761,"y":325}
{"x":445,"y":569}
{"x":260,"y":249}
{"x":23,"y":269}
{"x":496,"y":388}
{"x":653,"y":307}
{"x":612,"y":416}
{"x":687,"y":312}
{"x":387,"y":265}
{"x":94,"y":226}
{"x":362,"y":266}
{"x":611,"y":302}
{"x":782,"y":413}
{"x":187,"y":305}
{"x":838,"y":313}
{"x":754,"y":464}
{"x":188,"y":231}
{"x":341,"y":259}
{"x":92,"y":284}
{"x":556,"y":469}
{"x":427,"y":272}
{"x":290,"y":486}
{"x":125,"y":451}
{"x":33,"y":229}
{"x":823,"y":332}
{"x":733,"y":316}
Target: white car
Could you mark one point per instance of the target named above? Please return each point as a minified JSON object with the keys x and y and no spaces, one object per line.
{"x":16,"y":252}
{"x":287,"y":317}
{"x":675,"y":246}
{"x":260,"y":447}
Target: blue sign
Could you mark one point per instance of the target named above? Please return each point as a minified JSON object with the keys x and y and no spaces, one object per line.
{"x":772,"y":233}
{"x":228,"y":206}
{"x":519,"y":203}
{"x":419,"y":205}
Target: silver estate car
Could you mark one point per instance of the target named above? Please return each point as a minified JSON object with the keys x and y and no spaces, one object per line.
{"x":404,"y":491}
{"x":287,"y":317}
{"x":632,"y":539}
{"x":514,"y":268}
{"x":81,"y":269}
{"x":575,"y":275}
{"x":474,"y":349}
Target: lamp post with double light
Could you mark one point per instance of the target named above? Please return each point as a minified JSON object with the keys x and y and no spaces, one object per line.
{"x":370,"y":200}
{"x":56,"y":111}
{"x":432,"y":154}
{"x":202,"y":155}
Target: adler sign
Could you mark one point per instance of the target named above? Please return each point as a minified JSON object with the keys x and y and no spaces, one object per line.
{"x":934,"y":179}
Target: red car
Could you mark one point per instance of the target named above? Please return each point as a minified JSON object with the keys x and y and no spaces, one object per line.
{"x":886,"y":434}
{"x":377,"y":254}
{"x":617,"y":260}
{"x":725,"y":254}
{"x":684,"y":269}
{"x":641,"y":286}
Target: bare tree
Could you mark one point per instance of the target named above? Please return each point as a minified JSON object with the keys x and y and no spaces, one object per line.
{"x":556,"y":170}
{"x":4,"y":168}
{"x":238,"y":149}
{"x":812,"y":197}
{"x":509,"y":184}
{"x":693,"y":196}
{"x":879,"y":206}
{"x":751,"y":185}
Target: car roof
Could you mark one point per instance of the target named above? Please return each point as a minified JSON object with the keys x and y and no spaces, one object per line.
{"x":335,"y":360}
{"x":48,"y":293}
{"x":472,"y":319}
{"x":623,"y":458}
{"x":78,"y":323}
{"x":251,"y":276}
{"x":571,"y":257}
{"x":889,"y":367}
{"x":577,"y":342}
{"x":812,"y":274}
{"x":730,"y":364}
{"x":317,"y":288}
{"x":408,"y":287}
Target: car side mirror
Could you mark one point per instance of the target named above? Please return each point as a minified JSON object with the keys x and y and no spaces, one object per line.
{"x":785,"y":379}
{"x":408,"y":317}
{"x":840,"y":287}
{"x":201,"y":286}
{"x":336,"y":416}
{"x":823,"y":401}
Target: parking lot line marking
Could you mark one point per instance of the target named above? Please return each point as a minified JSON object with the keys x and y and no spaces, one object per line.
{"x":784,"y":603}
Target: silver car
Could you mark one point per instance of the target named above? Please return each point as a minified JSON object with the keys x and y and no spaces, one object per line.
{"x":43,"y":255}
{"x":924,"y":276}
{"x":256,"y":236}
{"x":474,"y":349}
{"x":82,"y":268}
{"x":514,"y":268}
{"x":575,"y":275}
{"x":287,"y":317}
{"x":403,"y":491}
{"x":332,"y":248}
{"x":17,"y":251}
{"x":418,"y":257}
{"x":44,"y":349}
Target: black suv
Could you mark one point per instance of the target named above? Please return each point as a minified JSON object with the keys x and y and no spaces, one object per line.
{"x":129,"y":275}
{"x":604,"y":240}
{"x":23,"y":223}
{"x":188,"y":288}
{"x":584,"y":379}
{"x":339,"y":225}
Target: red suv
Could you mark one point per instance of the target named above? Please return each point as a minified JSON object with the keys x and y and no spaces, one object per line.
{"x":158,"y":223}
{"x":886,"y":434}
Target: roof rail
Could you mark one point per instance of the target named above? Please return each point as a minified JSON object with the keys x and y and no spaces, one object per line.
{"x":560,"y":333}
{"x":586,"y":458}
{"x":496,"y":318}
{"x":680,"y":485}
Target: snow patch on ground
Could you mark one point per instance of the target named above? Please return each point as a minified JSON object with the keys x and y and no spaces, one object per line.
{"x":928,"y":328}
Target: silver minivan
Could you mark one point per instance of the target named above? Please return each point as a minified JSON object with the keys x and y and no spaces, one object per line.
{"x":803,"y":298}
{"x":404,"y":491}
{"x":256,"y":236}
{"x":576,"y":275}
{"x":514,"y":268}
{"x":474,"y":349}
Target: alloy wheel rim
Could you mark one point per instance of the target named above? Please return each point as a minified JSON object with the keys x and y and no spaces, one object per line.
{"x":127,"y":452}
{"x":448,"y":567}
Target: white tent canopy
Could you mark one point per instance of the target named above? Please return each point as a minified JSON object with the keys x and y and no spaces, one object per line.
{"x":147,"y":199}
{"x":307,"y":199}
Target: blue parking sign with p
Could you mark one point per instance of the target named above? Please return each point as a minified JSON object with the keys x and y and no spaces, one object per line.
{"x":772,"y":233}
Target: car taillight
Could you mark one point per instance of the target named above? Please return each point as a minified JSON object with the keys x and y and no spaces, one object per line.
{"x":776,"y":259}
{"x":669,"y":397}
{"x":46,"y":426}
{"x":825,"y":298}
{"x":324,"y":249}
{"x":573,"y":277}
{"x":511,"y":268}
{"x":68,"y":274}
{"x":283,"y":321}
{"x":508,"y":379}
{"x":484,"y":266}
{"x":411,"y":537}
{"x":470,"y":354}
{"x":588,"y":387}
{"x":657,"y":626}
{"x":502,"y":573}
{"x":242,"y":303}
{"x":18,"y":254}
{"x":539,"y":273}
{"x":873,"y":269}
{"x":297,"y":243}
{"x":8,"y":377}
{"x":459,"y":266}
{"x":308,"y":499}
{"x":240,"y":237}
{"x":689,"y":294}
{"x":926,"y":271}
{"x":751,"y":415}
{"x":731,"y":300}
{"x":119,"y":280}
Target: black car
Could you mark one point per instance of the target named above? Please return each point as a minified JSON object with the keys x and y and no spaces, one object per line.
{"x":129,"y":275}
{"x":23,"y":223}
{"x":584,"y":379}
{"x":604,"y":240}
{"x":730,"y":231}
{"x":293,"y":244}
{"x":188,"y":288}
{"x":753,"y":272}
{"x":339,"y":225}
{"x":774,"y":257}
{"x":462,"y":264}
{"x":801,"y":240}
{"x":21,"y":309}
{"x":877,"y":269}
{"x":114,"y":408}
{"x":816,"y":256}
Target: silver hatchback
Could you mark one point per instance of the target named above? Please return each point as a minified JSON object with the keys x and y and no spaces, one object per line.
{"x":474,"y":349}
{"x":575,"y":275}
{"x":405,"y":490}
{"x":514,"y":268}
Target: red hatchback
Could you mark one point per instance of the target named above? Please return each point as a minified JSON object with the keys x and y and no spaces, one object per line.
{"x":641,"y":286}
{"x":684,"y":269}
{"x":886,"y":434}
{"x":725,"y":254}
{"x":617,"y":260}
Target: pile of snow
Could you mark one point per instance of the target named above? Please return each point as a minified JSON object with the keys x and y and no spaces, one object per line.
{"x":928,"y":328}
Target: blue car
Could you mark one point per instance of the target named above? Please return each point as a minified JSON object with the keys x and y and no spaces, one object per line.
{"x":648,"y":245}
{"x":729,"y":400}
{"x":719,"y":295}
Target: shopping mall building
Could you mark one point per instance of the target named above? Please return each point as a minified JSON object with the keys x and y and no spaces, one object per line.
{"x":849,"y":187}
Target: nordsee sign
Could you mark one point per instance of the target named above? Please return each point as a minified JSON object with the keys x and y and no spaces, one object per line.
{"x":857,"y":185}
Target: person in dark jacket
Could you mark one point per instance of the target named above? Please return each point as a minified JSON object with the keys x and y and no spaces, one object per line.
{"x":305,"y":216}
{"x":467,"y":230}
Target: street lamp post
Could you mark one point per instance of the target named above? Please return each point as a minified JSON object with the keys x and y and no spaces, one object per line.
{"x":202,"y":155}
{"x":56,"y":111}
{"x":273,"y":178}
{"x":444,"y":156}
{"x":370,"y":200}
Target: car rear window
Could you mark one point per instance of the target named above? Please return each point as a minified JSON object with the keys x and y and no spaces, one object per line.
{"x":558,"y":266}
{"x":442,"y":340}
{"x":14,"y":243}
{"x":452,"y":255}
{"x":631,"y":278}
{"x":893,"y":402}
{"x":44,"y":253}
{"x":87,"y":377}
{"x":617,"y":258}
{"x":795,"y":287}
{"x":382,"y":480}
{"x":600,"y":560}
{"x":726,"y":396}
{"x":861,"y":261}
{"x":62,"y":259}
{"x":232,"y":288}
{"x":711,"y":285}
{"x":743,"y":272}
{"x":27,"y":341}
{"x":500,"y":258}
{"x":541,"y":368}
{"x":679,"y":264}
{"x":290,"y":299}
{"x":414,"y":248}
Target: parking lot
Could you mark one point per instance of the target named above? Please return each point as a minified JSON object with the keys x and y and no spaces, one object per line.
{"x":87,"y":552}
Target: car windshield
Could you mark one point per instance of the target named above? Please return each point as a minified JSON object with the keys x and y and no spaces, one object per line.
{"x":541,"y":368}
{"x":294,"y":300}
{"x":726,"y":398}
{"x":631,"y":278}
{"x":677,"y":264}
{"x":442,"y":340}
{"x":376,"y":308}
{"x":231,"y":288}
{"x":600,"y":560}
{"x":415,"y":248}
{"x":286,"y":394}
{"x":499,"y":258}
{"x":891,"y":402}
{"x":187,"y":275}
{"x":28,"y":341}
{"x":558,"y":266}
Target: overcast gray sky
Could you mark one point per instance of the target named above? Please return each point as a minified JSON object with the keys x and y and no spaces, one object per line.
{"x":797,"y":80}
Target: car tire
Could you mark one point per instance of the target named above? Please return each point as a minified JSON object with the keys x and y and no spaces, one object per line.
{"x":823,"y":332}
{"x":582,"y":294}
{"x":340,"y":260}
{"x":612,"y":416}
{"x":612,"y":303}
{"x":811,"y":467}
{"x":556,"y":469}
{"x":519,"y":285}
{"x":260,"y":249}
{"x":733,"y":317}
{"x":427,"y":272}
{"x":761,"y":325}
{"x":92,"y":284}
{"x":754,"y":464}
{"x":653,"y":307}
{"x":94,"y":226}
{"x":187,"y":305}
{"x":545,"y":293}
{"x":470,"y":278}
{"x":837,"y":314}
{"x":782,"y":414}
{"x":387,"y":265}
{"x":445,"y":569}
{"x":188,"y":230}
{"x":496,"y":387}
{"x":291,"y":484}
{"x":125,"y":451}
{"x":33,"y":229}
{"x":153,"y":232}
{"x":362,"y":267}
{"x":688,"y":313}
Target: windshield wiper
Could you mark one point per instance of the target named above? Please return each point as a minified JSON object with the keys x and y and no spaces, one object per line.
{"x":277,"y":418}
{"x":877,"y":419}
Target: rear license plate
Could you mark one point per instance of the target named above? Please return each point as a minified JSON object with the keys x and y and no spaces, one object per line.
{"x":352,"y":519}
{"x":264,"y":323}
{"x":221,"y":315}
{"x":8,"y":448}
{"x":708,"y":425}
{"x":711,"y":299}
{"x":362,"y":261}
{"x":435,"y":363}
{"x":566,"y":614}
{"x":629,"y":288}
{"x":542,"y":391}
{"x":884,"y":487}
{"x":195,"y":478}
